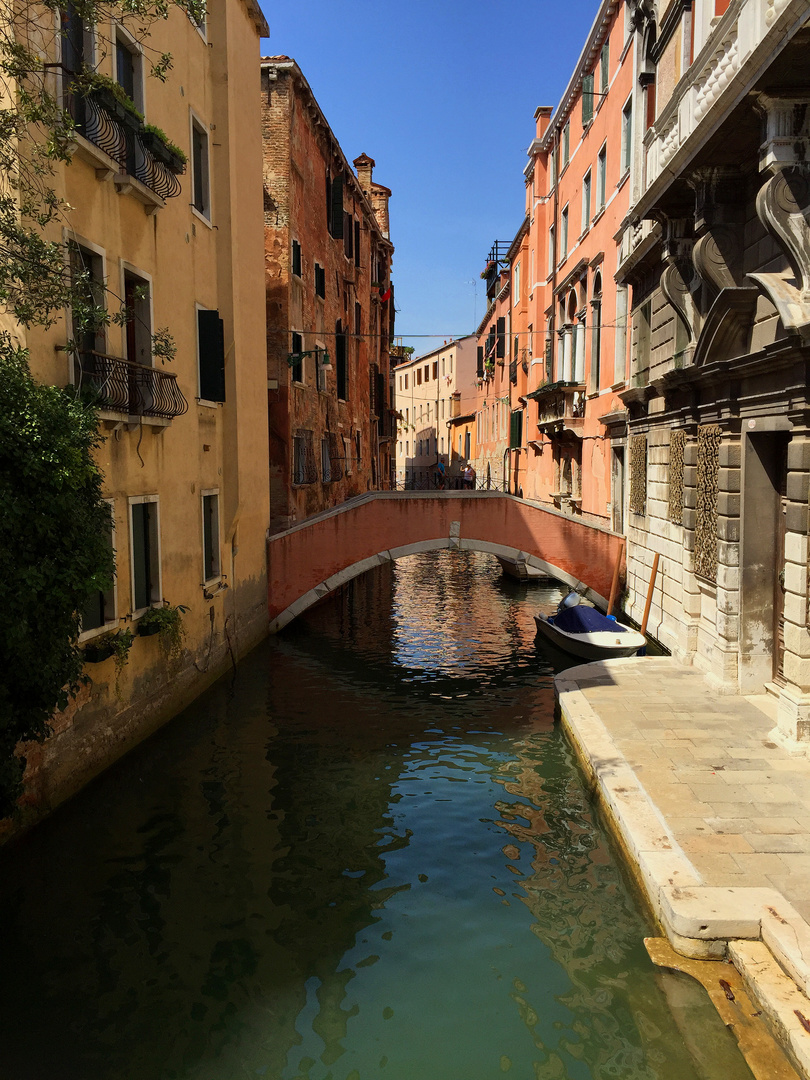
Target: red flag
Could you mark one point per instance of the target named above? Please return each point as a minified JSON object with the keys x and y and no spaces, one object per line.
{"x":385,"y":295}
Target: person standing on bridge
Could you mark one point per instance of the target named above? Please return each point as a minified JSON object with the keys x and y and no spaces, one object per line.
{"x":440,"y":474}
{"x":469,"y":476}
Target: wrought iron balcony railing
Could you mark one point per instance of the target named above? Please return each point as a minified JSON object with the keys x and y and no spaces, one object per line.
{"x":109,"y":125}
{"x":124,"y":387}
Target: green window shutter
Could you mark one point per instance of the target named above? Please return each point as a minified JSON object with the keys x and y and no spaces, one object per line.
{"x":516,"y":429}
{"x":336,"y":224}
{"x":587,"y":100}
{"x":604,"y":66}
{"x":211,"y":339}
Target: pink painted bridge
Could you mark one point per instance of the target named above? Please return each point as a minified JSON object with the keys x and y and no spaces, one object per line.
{"x":308,"y":561}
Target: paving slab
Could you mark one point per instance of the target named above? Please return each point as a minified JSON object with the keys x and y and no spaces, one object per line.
{"x":710,"y":810}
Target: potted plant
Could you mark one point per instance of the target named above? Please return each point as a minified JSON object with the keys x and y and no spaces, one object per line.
{"x":115,"y":644}
{"x":167,"y":622}
{"x":157,"y":143}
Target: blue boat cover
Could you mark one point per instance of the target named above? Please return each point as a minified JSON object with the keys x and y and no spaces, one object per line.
{"x":586,"y":620}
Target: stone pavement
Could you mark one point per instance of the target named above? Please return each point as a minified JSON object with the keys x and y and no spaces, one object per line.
{"x":714,"y":817}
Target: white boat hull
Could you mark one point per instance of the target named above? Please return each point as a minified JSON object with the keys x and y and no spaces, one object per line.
{"x":599,"y":645}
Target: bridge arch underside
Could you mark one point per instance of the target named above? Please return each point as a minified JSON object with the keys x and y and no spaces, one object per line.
{"x":309,"y":562}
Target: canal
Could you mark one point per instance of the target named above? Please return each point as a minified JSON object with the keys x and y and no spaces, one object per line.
{"x":368,"y":856}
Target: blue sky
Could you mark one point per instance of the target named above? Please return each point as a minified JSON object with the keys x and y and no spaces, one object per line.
{"x":442,"y":95}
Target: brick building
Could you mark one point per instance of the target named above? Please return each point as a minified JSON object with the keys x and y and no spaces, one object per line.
{"x":330,"y":307}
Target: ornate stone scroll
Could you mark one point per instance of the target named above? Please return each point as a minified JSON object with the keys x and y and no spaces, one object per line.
{"x":708,"y":458}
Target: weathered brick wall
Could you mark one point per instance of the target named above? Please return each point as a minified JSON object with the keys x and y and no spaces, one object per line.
{"x":299,"y":153}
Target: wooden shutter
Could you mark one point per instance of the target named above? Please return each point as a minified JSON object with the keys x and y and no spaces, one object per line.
{"x":587,"y":100}
{"x":336,"y":224}
{"x":500,"y":347}
{"x":357,"y":243}
{"x":603,"y":66}
{"x":211,"y":338}
{"x":480,"y":369}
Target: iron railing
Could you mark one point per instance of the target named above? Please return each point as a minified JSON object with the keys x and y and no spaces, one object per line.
{"x":109,"y":125}
{"x":124,"y":387}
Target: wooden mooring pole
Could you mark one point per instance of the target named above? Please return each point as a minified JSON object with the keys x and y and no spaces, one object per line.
{"x":614,"y":588}
{"x":650,"y":594}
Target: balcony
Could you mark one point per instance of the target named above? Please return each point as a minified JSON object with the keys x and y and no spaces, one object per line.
{"x":560,"y":408}
{"x":711,"y":85}
{"x":137,"y":153}
{"x":128,"y":389}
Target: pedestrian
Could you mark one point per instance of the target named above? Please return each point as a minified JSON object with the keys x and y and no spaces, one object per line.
{"x":440,"y":474}
{"x":469,"y":475}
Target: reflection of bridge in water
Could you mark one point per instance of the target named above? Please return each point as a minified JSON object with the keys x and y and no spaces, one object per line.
{"x":318,"y":555}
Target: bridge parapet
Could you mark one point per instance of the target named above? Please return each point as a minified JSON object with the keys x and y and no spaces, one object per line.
{"x":312,"y":558}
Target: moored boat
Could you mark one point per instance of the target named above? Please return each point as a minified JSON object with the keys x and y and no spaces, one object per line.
{"x":586,"y":632}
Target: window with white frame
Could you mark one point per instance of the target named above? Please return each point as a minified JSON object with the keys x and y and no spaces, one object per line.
{"x":564,"y":233}
{"x":552,"y":249}
{"x":516,"y":284}
{"x":586,"y":200}
{"x":326,"y":462}
{"x":627,"y":134}
{"x":200,"y":182}
{"x":210,"y":535}
{"x":99,"y":610}
{"x":144,"y":546}
{"x":601,"y":178}
{"x":129,"y":67}
{"x":566,"y":144}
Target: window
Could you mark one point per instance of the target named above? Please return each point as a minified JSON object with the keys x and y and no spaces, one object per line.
{"x":303,"y":458}
{"x":210,"y":531}
{"x":341,"y":361}
{"x":435,"y":370}
{"x":400,"y":382}
{"x":604,"y":66}
{"x":87,"y":279}
{"x":516,"y":284}
{"x":596,"y":334}
{"x":443,"y":361}
{"x":620,"y":371}
{"x":297,"y":364}
{"x":601,"y":178}
{"x":627,"y":134}
{"x":138,"y":325}
{"x":129,"y":68}
{"x":451,"y":364}
{"x":99,"y":609}
{"x":418,"y":377}
{"x":358,"y":319}
{"x":552,"y":249}
{"x":201,"y":197}
{"x":210,"y":355}
{"x":144,"y":552}
{"x":356,"y":243}
{"x":296,"y":258}
{"x":587,"y":100}
{"x":586,"y":200}
{"x":564,"y":233}
{"x":320,"y":281}
{"x":357,"y":454}
{"x":321,"y":357}
{"x":326,"y":464}
{"x":406,"y":381}
{"x":347,"y":457}
{"x":643,"y":344}
{"x":334,"y":206}
{"x":348,"y":236}
{"x":566,"y":144}
{"x":427,"y":372}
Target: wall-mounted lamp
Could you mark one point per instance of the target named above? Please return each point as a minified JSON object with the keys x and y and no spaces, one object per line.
{"x":297,"y":357}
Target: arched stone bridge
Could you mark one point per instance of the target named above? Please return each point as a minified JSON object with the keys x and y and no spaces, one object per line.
{"x":318,"y":555}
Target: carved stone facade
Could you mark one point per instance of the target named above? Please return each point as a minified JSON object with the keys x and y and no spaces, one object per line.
{"x":708,"y":445}
{"x":716,"y":251}
{"x":638,"y":474}
{"x":677,"y":441}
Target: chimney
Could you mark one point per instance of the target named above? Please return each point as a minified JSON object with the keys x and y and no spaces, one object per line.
{"x":365,"y":166}
{"x":542,"y":115}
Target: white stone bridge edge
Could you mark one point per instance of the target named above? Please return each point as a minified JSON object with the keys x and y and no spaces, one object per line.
{"x":392,"y":554}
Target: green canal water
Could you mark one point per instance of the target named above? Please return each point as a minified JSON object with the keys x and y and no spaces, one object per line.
{"x":367,"y":857}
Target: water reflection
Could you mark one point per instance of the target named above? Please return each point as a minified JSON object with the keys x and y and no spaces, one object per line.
{"x":373,"y":859}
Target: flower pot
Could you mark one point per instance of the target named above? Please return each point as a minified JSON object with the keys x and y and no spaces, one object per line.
{"x":95,"y":653}
{"x":149,"y":630}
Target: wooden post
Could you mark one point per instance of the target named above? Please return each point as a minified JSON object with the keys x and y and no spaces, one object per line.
{"x":650,"y":594}
{"x":614,"y":588}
